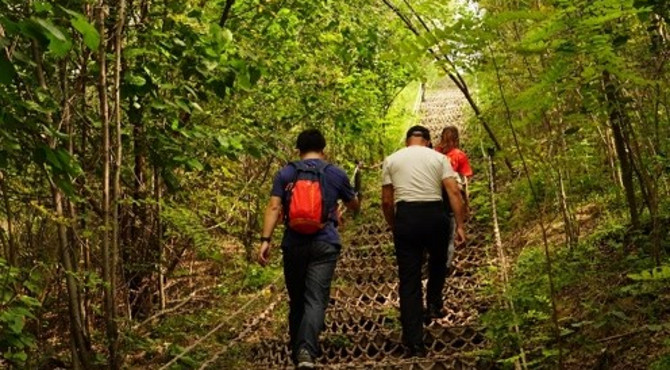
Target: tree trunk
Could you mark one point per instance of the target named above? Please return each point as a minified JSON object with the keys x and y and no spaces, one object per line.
{"x":115,"y":360}
{"x":158,"y":240}
{"x":570,"y":237}
{"x":617,"y":119}
{"x":109,"y":306}
{"x":72,"y":230}
{"x":81,"y":342}
{"x":12,"y":251}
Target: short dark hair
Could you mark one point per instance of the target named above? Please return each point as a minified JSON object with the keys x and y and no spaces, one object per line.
{"x":418,"y":131}
{"x":311,"y":140}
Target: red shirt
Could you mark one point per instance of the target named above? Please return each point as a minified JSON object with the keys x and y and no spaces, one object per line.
{"x":459,"y":161}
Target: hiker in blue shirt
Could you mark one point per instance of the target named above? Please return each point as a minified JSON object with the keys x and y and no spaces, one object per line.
{"x":311,"y":243}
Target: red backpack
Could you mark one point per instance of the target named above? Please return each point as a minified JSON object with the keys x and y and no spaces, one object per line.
{"x":305,"y":201}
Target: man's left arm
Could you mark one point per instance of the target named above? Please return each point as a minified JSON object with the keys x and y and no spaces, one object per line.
{"x":457,"y":206}
{"x":388,"y":194}
{"x":270,"y":220}
{"x":467,"y":174}
{"x":348,"y":194}
{"x":388,"y":205}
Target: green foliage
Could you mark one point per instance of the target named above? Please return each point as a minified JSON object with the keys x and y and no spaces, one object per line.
{"x":258,"y":278}
{"x":17,"y":309}
{"x":401,"y":115}
{"x":183,"y":223}
{"x":654,"y":274}
{"x":662,"y":363}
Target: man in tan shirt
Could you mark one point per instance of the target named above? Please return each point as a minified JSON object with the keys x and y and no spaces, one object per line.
{"x":412,"y":183}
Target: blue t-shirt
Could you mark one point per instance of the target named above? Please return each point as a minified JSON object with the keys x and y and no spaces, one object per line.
{"x":337,"y":186}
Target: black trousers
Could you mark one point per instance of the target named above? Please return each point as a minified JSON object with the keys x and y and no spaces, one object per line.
{"x":420,"y":227}
{"x":308,"y":271}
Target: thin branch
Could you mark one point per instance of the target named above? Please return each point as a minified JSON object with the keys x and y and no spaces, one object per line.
{"x":164,"y":312}
{"x":226,"y":12}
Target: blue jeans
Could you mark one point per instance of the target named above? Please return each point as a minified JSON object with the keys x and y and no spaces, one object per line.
{"x":308,"y":271}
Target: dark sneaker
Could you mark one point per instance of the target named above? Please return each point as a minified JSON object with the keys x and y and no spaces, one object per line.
{"x":433,"y":313}
{"x":417,"y":350}
{"x":305,"y":360}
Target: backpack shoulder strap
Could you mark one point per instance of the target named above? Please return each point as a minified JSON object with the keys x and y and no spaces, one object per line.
{"x":321,"y":171}
{"x":322,"y":167}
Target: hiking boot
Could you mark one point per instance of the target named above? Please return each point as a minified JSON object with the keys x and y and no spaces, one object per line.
{"x":305,"y":360}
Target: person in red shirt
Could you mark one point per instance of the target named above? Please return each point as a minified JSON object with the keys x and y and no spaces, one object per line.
{"x":449,"y":146}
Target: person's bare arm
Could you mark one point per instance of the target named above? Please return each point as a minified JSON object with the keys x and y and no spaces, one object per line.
{"x":269,"y":223}
{"x":467,"y":198}
{"x":457,"y":206}
{"x":388,"y":205}
{"x":353,"y":205}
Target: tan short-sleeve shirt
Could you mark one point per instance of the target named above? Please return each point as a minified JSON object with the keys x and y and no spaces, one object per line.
{"x":416,"y":173}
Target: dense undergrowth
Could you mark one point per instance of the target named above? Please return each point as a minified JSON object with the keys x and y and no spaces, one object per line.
{"x":612,"y":297}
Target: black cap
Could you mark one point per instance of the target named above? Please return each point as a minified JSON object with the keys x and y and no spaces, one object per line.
{"x":418,"y":131}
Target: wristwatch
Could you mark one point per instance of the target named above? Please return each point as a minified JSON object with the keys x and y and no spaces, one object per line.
{"x":266,"y":239}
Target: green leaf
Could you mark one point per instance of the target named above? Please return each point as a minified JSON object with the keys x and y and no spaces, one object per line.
{"x":171,"y":181}
{"x":30,"y":301}
{"x":90,"y":34}
{"x":572,"y":130}
{"x":254,"y":75}
{"x":131,"y":53}
{"x":52,"y":159}
{"x":19,"y":357}
{"x":69,"y":164}
{"x":196,"y":106}
{"x":655,"y":274}
{"x":86,"y":29}
{"x":183,"y":105}
{"x":7,"y":71}
{"x":135,"y":80}
{"x":194,"y":165}
{"x":59,"y":43}
{"x":655,"y":328}
{"x":16,"y":323}
{"x":52,"y":31}
{"x":244,"y":80}
{"x":4,"y":161}
{"x":42,"y":7}
{"x":66,"y":186}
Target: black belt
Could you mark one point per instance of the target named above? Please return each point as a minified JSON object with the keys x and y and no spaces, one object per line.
{"x":420,"y":204}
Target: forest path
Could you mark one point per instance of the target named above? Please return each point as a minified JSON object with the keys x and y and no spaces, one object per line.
{"x":362,"y":322}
